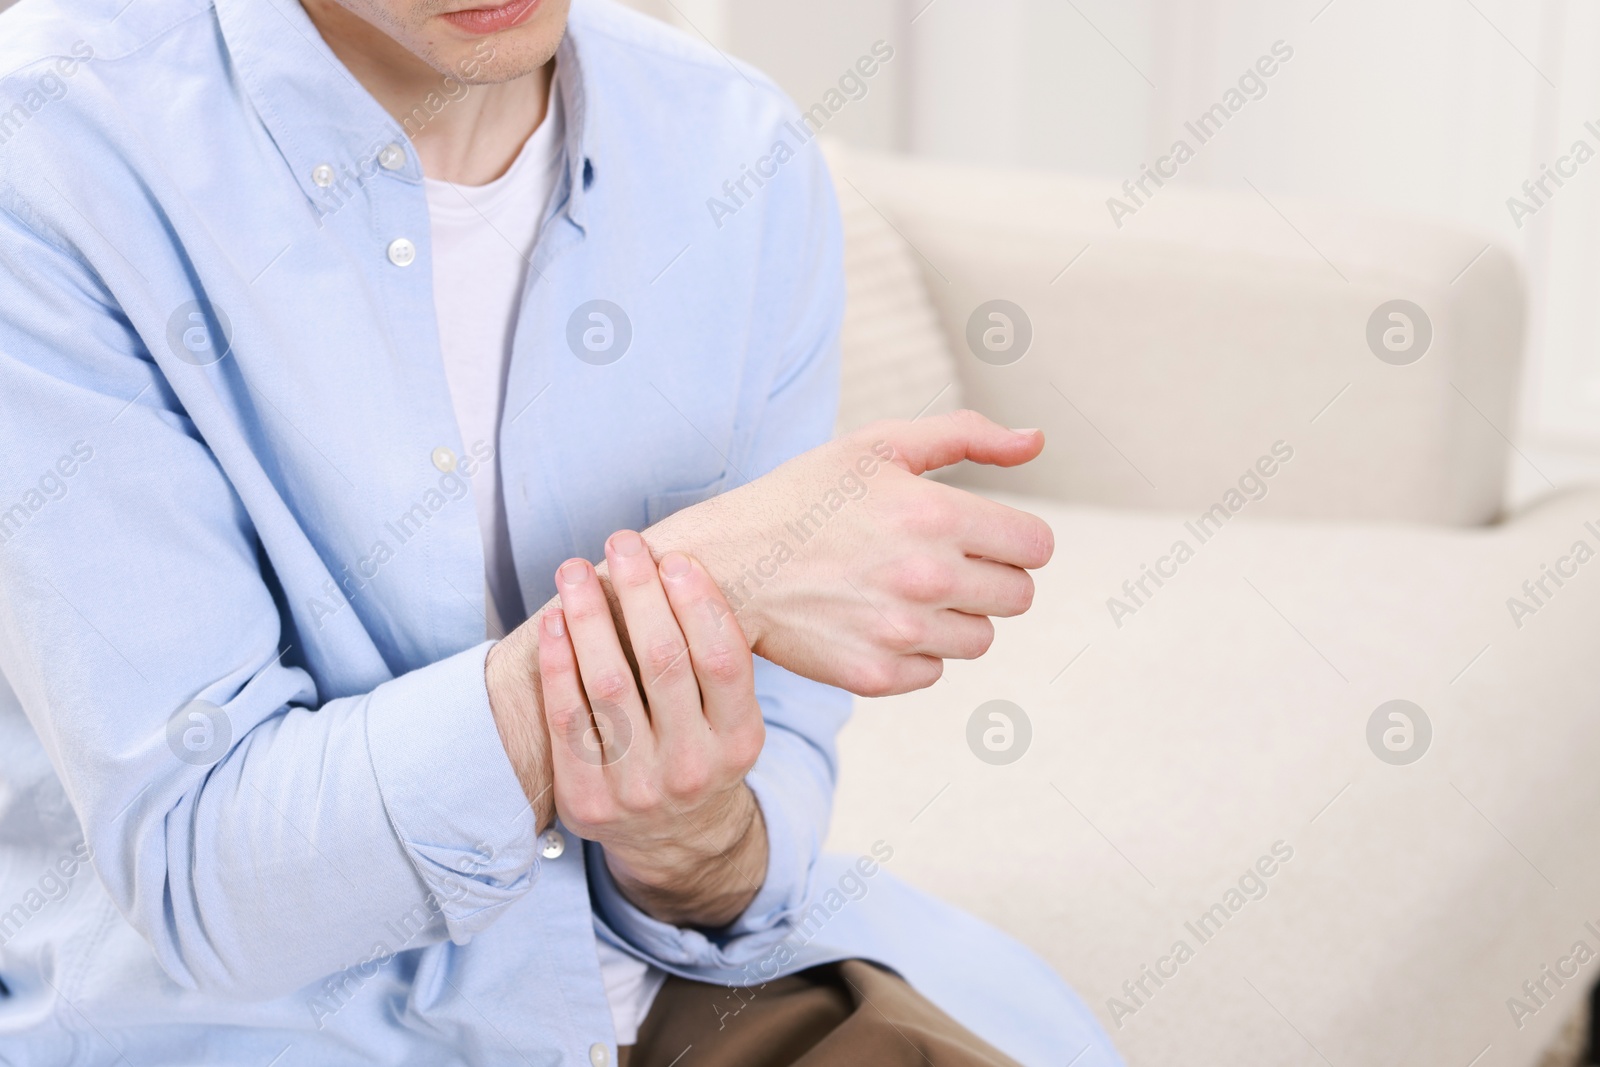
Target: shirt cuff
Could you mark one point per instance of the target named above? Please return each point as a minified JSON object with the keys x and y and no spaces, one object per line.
{"x":792,"y":848}
{"x":450,"y":791}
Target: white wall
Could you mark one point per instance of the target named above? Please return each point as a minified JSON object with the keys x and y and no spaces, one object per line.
{"x":1439,"y":108}
{"x":806,"y":47}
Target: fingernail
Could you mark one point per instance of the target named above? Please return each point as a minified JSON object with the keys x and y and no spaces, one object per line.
{"x":574,"y":572}
{"x":555,"y":624}
{"x":627,"y":543}
{"x":1029,"y":431}
{"x":674,"y":565}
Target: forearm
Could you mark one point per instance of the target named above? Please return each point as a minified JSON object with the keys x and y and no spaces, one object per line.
{"x":511,"y":674}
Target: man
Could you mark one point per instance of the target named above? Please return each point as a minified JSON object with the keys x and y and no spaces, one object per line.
{"x":281,"y":287}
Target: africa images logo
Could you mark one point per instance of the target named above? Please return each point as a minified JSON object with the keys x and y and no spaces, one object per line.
{"x":999,"y":732}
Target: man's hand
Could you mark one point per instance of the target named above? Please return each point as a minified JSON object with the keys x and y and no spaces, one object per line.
{"x":844,"y":566}
{"x":657,"y":778}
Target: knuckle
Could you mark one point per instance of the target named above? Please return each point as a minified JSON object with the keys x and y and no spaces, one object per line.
{"x":588,"y":808}
{"x":689,"y":778}
{"x":722,"y":663}
{"x":553,"y":666}
{"x":566,"y":717}
{"x":884,"y":637}
{"x":632,"y":577}
{"x":903,"y":630}
{"x":636,"y":796}
{"x":611,"y":685}
{"x":744,"y":746}
{"x":584,"y":608}
{"x":667,"y":659}
{"x":713,"y":610}
{"x":924,"y":580}
{"x":873,"y":678}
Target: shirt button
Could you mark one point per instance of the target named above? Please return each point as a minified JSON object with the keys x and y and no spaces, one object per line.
{"x":444,"y":459}
{"x":599,"y":1055}
{"x":551,"y":846}
{"x":402,"y":253}
{"x":392,"y":157}
{"x":322,"y":175}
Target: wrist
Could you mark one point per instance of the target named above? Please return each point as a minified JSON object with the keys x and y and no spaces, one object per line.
{"x":706,"y":879}
{"x":511,"y":675}
{"x":676,"y":533}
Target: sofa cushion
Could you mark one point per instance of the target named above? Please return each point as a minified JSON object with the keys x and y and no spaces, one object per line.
{"x":895,"y":360}
{"x":1167,"y":353}
{"x":1224,"y":723}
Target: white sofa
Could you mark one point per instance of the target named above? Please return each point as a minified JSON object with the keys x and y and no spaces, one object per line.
{"x":1174,"y":745}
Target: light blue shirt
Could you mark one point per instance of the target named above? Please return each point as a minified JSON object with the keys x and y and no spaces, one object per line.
{"x":253,"y":803}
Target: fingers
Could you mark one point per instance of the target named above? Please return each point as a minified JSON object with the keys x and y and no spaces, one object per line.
{"x":957,"y":635}
{"x":994,"y":531}
{"x":659,"y":647}
{"x":717,"y":646}
{"x":969,"y":585}
{"x":940,"y":440}
{"x":607,"y":678}
{"x":576,"y":751}
{"x":880,"y":677}
{"x":937,"y":632}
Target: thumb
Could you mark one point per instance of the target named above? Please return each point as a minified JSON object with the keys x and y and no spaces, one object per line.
{"x":928,"y":444}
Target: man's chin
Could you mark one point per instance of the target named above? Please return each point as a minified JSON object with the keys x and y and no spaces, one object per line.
{"x":495,"y":59}
{"x":505,"y":68}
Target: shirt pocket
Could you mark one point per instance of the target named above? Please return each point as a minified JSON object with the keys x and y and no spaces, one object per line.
{"x":658,"y":506}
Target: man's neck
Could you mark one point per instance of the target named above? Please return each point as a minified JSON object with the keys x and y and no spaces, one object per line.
{"x":475,"y":137}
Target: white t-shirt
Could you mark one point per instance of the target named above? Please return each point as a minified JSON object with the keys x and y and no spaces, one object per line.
{"x":483,"y":237}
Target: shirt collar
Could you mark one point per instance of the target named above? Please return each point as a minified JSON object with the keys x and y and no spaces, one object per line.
{"x":578,"y":147}
{"x":314,"y":109}
{"x":320,"y":116}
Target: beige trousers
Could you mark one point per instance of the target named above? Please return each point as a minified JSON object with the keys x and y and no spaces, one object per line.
{"x":843,"y":1014}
